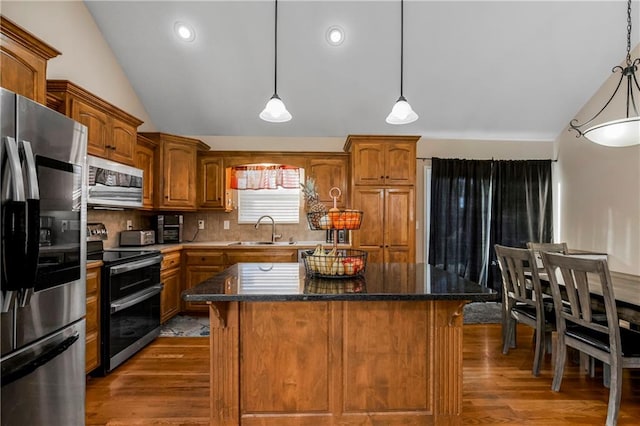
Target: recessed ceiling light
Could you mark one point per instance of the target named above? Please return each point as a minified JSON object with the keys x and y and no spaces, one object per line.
{"x":185,"y":32}
{"x":335,"y":35}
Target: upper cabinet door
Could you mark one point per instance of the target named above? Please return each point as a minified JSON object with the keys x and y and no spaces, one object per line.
{"x":400,"y":164}
{"x":97,"y":123}
{"x":368,"y":161}
{"x":123,"y":142}
{"x":178,"y":176}
{"x":329,"y":173}
{"x":211,"y":182}
{"x":145,"y":159}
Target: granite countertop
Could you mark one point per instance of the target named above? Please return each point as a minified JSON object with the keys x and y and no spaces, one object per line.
{"x":233,"y":245}
{"x":288,"y":282}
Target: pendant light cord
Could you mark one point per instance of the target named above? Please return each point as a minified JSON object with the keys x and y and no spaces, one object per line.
{"x":629,"y":33}
{"x":275,"y":62}
{"x":401,"y":45}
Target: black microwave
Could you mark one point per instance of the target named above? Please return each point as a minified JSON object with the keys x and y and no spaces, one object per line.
{"x":169,"y":228}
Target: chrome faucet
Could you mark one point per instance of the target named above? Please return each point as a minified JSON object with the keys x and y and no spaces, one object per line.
{"x":274,"y":236}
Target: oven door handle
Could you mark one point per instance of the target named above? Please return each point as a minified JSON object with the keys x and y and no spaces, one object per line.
{"x":132,"y":266}
{"x":138,"y":297}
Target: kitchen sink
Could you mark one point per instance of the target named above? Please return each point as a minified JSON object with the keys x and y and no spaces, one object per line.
{"x":261,"y":243}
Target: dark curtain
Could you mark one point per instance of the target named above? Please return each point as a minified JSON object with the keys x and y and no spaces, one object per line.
{"x":478,"y":203}
{"x":521,"y":206}
{"x":458,"y":236}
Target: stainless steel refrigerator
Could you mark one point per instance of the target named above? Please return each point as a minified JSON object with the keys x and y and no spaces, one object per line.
{"x":43,"y":263}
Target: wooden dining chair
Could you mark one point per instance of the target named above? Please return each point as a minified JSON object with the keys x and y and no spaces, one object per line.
{"x":579,"y":328}
{"x":538,"y":248}
{"x":522,"y":301}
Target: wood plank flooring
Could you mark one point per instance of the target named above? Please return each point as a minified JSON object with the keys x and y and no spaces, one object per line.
{"x":167,"y":383}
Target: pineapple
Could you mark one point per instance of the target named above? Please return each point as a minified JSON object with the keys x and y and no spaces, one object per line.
{"x":313,"y":205}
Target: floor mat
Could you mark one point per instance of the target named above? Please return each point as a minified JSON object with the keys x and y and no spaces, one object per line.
{"x":483,"y":313}
{"x":185,"y":326}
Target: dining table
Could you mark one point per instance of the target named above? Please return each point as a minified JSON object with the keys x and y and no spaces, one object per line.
{"x":626,"y":290}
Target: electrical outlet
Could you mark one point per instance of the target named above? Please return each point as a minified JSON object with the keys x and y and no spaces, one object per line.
{"x":129,"y":225}
{"x":200,"y":223}
{"x":226,"y":224}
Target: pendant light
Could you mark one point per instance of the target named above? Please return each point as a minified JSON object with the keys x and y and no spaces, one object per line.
{"x":401,"y":113}
{"x":275,"y":111}
{"x":624,"y":131}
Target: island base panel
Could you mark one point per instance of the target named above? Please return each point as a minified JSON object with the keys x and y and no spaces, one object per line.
{"x":336,"y":363}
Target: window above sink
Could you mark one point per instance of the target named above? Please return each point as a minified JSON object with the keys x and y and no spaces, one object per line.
{"x":267,"y":189}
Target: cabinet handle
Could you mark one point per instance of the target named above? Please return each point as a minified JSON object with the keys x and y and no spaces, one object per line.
{"x":381,"y":177}
{"x":386,"y":177}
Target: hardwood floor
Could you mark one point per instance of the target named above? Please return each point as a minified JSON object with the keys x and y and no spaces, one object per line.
{"x":167,"y":383}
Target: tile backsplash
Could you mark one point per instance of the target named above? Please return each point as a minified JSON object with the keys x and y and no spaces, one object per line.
{"x":214,"y":229}
{"x":116,"y":221}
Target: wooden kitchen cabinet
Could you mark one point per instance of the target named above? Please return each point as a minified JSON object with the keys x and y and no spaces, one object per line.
{"x":211,"y":181}
{"x":388,"y":233}
{"x":383,"y":174}
{"x":200,"y":265}
{"x":177,"y":169}
{"x":92,"y":347}
{"x":170,"y":276}
{"x":112,"y":132}
{"x":23,"y":61}
{"x":146,"y":160}
{"x":278,"y":255}
{"x":328,"y":172}
{"x":383,"y":160}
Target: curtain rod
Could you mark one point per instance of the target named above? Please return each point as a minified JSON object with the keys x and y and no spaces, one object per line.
{"x":492,"y":159}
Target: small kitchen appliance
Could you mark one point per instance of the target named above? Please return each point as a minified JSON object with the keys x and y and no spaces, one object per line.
{"x":169,"y":228}
{"x":137,"y":238}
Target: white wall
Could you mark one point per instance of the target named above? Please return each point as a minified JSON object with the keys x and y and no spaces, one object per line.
{"x":599,"y":192}
{"x":86,"y":58}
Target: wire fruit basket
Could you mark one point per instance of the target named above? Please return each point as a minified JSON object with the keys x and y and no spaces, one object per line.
{"x":334,"y":263}
{"x":335,"y":219}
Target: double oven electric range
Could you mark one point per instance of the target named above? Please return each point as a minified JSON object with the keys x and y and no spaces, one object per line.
{"x":129,"y":299}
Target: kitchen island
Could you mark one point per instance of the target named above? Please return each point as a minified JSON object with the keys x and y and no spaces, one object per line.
{"x":384,"y":348}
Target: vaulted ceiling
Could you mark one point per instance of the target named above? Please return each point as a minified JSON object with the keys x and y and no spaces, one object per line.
{"x":508,"y":70}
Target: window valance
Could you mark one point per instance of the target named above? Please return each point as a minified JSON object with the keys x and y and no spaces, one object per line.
{"x":260,"y":176}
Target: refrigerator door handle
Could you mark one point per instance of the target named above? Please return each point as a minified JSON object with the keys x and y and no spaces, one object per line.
{"x":13,"y":174}
{"x":20,"y":371}
{"x":32,"y":247}
{"x":13,"y":223}
{"x":32,"y":190}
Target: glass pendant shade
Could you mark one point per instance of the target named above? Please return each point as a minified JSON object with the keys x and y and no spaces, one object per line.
{"x":617,"y":133}
{"x":624,"y":131}
{"x":402,"y":113}
{"x":275,"y":111}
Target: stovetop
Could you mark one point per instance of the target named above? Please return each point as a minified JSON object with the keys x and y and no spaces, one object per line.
{"x":114,"y":257}
{"x":97,"y":234}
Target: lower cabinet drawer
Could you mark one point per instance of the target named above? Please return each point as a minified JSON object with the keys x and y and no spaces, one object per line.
{"x":204,"y":258}
{"x":171,"y":260}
